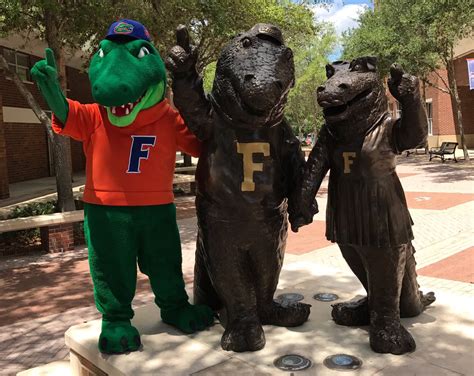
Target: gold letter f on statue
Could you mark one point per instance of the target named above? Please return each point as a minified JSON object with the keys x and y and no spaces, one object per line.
{"x":348,"y":160}
{"x":248,"y":150}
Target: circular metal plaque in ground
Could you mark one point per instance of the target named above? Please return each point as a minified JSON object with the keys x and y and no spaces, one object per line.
{"x":325,"y":297}
{"x":342,"y":362}
{"x":292,"y":362}
{"x":290,"y":297}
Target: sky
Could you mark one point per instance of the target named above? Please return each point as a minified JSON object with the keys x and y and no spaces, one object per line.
{"x":343,"y":14}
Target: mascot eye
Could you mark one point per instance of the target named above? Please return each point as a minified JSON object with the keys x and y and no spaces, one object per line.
{"x":246,"y":42}
{"x":143,"y":52}
{"x":100,"y":53}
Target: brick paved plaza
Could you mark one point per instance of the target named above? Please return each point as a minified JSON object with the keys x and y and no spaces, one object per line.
{"x":43,"y":296}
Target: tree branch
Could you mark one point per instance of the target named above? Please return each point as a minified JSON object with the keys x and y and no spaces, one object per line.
{"x":40,"y":114}
{"x":429,"y":83}
{"x":435,"y":71}
{"x":156,"y":5}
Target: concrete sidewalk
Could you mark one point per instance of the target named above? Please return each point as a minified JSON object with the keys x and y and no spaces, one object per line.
{"x":27,"y":190}
{"x":35,"y":315}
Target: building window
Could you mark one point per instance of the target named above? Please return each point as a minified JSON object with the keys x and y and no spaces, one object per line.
{"x":19,"y":63}
{"x":398,"y":110}
{"x":429,"y":115}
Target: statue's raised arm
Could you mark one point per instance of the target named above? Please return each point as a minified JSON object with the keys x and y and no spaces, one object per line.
{"x":188,"y":92}
{"x":411,"y":129}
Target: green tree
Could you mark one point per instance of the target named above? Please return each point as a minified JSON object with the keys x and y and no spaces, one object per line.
{"x":302,"y":111}
{"x":65,"y":26}
{"x":212,"y":23}
{"x":69,"y":25}
{"x":420,"y":35}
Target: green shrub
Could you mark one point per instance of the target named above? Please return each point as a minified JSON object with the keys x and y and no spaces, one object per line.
{"x":31,"y":236}
{"x":35,"y":208}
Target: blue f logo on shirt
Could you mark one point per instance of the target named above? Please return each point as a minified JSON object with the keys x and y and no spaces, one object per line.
{"x":140,"y":149}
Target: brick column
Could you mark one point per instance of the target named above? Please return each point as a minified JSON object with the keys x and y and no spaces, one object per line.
{"x":4,"y":190}
{"x":59,"y":238}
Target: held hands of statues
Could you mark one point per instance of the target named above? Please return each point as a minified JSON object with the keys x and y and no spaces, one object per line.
{"x":403,"y":86}
{"x":303,"y":216}
{"x":182,"y":57}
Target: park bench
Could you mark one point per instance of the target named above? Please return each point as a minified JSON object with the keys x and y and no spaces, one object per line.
{"x":416,"y":151}
{"x":44,"y":220}
{"x":446,"y":148}
{"x":57,"y":232}
{"x":185,"y":169}
{"x":185,"y":175}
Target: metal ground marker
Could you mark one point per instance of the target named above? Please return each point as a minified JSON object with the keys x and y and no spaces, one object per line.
{"x":342,"y":362}
{"x":325,"y":297}
{"x":292,"y":362}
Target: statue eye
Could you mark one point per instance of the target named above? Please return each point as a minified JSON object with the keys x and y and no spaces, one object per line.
{"x":357,"y":67}
{"x":100,"y":53}
{"x":246,"y":42}
{"x":143,"y":52}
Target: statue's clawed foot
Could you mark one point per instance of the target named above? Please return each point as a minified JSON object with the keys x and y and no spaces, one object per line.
{"x":118,"y":337}
{"x":391,"y":338}
{"x":285,"y":313}
{"x":243,"y":335}
{"x":428,"y":298}
{"x":351,"y":313}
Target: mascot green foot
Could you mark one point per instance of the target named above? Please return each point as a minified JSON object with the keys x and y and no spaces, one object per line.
{"x":118,"y":337}
{"x":189,"y":318}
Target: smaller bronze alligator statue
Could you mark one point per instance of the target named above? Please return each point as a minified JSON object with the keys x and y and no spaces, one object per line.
{"x":367,"y":214}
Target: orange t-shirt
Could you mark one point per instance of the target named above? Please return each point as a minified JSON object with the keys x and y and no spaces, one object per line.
{"x":133,"y":165}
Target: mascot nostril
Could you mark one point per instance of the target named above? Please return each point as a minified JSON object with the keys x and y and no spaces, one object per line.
{"x":124,"y":89}
{"x":246,"y":179}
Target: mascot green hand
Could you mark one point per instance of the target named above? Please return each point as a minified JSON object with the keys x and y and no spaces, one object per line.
{"x":130,"y":138}
{"x":46,"y":76}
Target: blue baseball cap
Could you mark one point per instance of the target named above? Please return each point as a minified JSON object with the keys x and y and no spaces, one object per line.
{"x":129,"y":29}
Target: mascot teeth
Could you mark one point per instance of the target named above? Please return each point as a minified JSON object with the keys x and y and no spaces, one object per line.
{"x":125,"y":109}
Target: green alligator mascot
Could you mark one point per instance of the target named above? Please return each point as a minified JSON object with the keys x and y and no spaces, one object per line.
{"x":130,"y":138}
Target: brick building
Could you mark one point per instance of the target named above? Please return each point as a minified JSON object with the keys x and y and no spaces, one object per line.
{"x":25,"y":152}
{"x":441,"y":124}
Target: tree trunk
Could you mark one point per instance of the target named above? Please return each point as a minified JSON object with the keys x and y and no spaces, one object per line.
{"x":187,"y":160}
{"x":456,"y":104}
{"x":423,"y":92}
{"x":61,"y":144}
{"x":65,"y":196}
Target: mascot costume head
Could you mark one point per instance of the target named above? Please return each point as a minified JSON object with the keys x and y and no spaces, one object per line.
{"x":127,"y":74}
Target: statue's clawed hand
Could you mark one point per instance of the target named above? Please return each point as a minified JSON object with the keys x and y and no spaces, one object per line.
{"x":182,"y":57}
{"x":403,"y":86}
